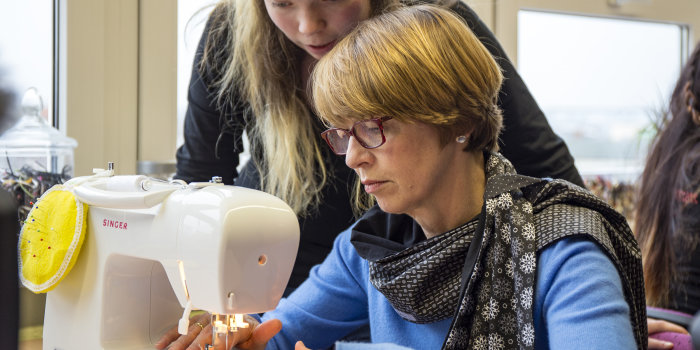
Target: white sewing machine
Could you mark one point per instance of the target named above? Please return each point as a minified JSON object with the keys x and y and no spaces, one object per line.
{"x":153,"y":248}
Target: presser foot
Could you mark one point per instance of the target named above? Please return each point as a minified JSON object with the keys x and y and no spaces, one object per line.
{"x":225,"y":330}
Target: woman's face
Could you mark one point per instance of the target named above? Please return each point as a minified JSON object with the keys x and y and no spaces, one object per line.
{"x":411,"y":171}
{"x":317,"y":25}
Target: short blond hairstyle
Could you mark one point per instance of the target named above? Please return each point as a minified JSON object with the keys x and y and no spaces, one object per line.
{"x":417,"y":64}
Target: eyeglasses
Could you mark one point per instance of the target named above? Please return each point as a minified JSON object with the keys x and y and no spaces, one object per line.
{"x":369,"y":133}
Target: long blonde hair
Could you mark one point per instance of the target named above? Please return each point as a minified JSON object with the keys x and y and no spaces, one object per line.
{"x":417,"y":64}
{"x":253,"y":60}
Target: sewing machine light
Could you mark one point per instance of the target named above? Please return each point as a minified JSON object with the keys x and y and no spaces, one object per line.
{"x":184,"y":323}
{"x":181,"y":268}
{"x":224,"y":329}
{"x":237,"y":322}
{"x":230,"y":323}
{"x":218,"y":327}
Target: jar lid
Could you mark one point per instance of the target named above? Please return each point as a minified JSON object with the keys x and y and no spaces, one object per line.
{"x":31,"y":130}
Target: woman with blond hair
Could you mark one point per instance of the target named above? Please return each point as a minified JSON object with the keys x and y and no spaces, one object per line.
{"x":460,"y":251}
{"x":250,"y":74}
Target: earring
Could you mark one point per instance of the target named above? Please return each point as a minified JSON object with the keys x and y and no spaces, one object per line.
{"x":461,"y":139}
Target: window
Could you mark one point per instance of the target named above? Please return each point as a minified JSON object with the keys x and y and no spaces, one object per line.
{"x":601,"y":82}
{"x":192,"y":17}
{"x":26,"y":51}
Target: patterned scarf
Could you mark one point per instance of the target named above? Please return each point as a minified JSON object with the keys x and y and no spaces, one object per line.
{"x":497,"y":257}
{"x":422,"y":282}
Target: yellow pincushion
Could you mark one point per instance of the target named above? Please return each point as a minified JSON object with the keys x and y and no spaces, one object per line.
{"x":51,"y":238}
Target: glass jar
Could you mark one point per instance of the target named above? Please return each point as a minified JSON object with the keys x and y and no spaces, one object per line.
{"x":33,"y":155}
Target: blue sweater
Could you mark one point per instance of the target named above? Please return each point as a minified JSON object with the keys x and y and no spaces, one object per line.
{"x":579,"y":303}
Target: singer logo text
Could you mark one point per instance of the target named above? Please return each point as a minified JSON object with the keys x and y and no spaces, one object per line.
{"x":114,"y":223}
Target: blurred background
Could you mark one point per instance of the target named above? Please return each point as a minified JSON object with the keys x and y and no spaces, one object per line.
{"x":109,"y":81}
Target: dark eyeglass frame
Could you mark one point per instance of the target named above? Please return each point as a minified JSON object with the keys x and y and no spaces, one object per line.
{"x":351,"y":132}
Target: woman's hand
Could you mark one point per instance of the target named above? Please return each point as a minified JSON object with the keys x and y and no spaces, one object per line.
{"x":196,"y":335}
{"x":300,"y":346}
{"x":199,"y":334}
{"x":261,"y":334}
{"x":656,"y":326}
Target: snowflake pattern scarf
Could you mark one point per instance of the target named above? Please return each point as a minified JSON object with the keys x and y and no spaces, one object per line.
{"x":497,"y":257}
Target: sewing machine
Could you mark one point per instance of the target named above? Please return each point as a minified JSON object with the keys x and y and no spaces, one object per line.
{"x":155,"y":248}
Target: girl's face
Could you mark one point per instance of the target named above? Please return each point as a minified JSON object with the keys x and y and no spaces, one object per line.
{"x":317,"y":25}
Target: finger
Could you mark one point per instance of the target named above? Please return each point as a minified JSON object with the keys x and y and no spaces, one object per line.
{"x":204,"y":318}
{"x":300,"y":346}
{"x":265,"y":331}
{"x":262,"y":333}
{"x":656,"y":326}
{"x":170,"y":336}
{"x":226,"y":341}
{"x":659,"y":344}
{"x":202,"y":339}
{"x":185,"y":340}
